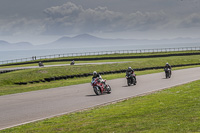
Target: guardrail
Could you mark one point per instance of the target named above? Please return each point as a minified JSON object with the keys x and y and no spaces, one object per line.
{"x":100,"y":53}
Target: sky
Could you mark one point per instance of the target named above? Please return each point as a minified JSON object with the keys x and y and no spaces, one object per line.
{"x":43,"y":21}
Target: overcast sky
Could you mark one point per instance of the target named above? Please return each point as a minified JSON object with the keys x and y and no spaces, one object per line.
{"x":41,"y":21}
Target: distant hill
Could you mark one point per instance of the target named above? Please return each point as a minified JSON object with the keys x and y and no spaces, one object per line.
{"x":14,"y":46}
{"x":89,"y":40}
{"x":86,"y":40}
{"x":3,"y":43}
{"x":80,"y":40}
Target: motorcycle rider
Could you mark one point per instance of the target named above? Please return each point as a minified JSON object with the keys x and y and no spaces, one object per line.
{"x":40,"y":64}
{"x":97,"y":75}
{"x":168,"y":66}
{"x":130,"y":70}
{"x":72,"y":63}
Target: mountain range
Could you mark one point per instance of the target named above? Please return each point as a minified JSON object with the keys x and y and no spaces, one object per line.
{"x":89,"y":40}
{"x":4,"y":45}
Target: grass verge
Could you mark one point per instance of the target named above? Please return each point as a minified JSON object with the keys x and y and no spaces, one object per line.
{"x":12,"y":89}
{"x":7,"y":80}
{"x":172,"y":110}
{"x":41,"y":73}
{"x":61,"y":60}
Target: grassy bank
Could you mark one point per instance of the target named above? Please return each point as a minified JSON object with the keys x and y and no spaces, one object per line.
{"x":172,"y":110}
{"x":40,"y":73}
{"x":7,"y":80}
{"x":12,"y":89}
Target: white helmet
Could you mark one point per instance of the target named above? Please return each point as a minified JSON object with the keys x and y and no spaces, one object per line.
{"x":167,"y":63}
{"x":94,"y":73}
{"x":129,"y":68}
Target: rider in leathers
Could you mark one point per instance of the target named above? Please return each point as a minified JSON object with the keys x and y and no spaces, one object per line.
{"x":168,"y":66}
{"x":132,"y":71}
{"x":97,"y":75}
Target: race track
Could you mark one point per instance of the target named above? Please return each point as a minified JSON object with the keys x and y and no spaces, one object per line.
{"x":27,"y":107}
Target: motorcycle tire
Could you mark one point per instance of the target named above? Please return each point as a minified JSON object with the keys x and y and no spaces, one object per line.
{"x":108,"y":88}
{"x":166,"y":75}
{"x":129,"y":82}
{"x":134,"y":81}
{"x":97,"y":90}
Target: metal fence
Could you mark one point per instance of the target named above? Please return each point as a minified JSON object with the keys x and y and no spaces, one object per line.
{"x":101,"y":53}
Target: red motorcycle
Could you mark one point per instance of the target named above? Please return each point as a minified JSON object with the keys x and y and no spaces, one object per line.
{"x":100,"y":87}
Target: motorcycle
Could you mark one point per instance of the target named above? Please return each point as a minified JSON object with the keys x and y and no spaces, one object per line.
{"x":41,"y":64}
{"x":131,"y":78}
{"x":100,"y":87}
{"x":167,"y":73}
{"x":72,"y":63}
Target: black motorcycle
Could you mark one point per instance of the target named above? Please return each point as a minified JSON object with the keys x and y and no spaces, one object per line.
{"x":131,"y":78}
{"x":41,"y":64}
{"x":167,"y":73}
{"x":72,"y":63}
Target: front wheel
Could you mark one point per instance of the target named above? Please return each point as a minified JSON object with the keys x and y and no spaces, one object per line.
{"x":97,"y":90}
{"x":108,"y":88}
{"x":134,"y":81}
{"x":167,"y":75}
{"x":128,"y":81}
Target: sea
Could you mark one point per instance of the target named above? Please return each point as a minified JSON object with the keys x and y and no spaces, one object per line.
{"x":19,"y":54}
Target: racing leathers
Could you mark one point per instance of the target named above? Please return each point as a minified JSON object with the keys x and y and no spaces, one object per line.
{"x":167,"y":66}
{"x":130,"y":70}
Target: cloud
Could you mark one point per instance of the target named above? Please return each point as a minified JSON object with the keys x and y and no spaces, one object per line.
{"x":70,"y":18}
{"x":20,"y":26}
{"x":191,"y":21}
{"x":69,"y":9}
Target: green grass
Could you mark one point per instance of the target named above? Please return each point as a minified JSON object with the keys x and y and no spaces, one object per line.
{"x":40,"y":73}
{"x":12,"y":89}
{"x":7,"y":80}
{"x":174,"y":110}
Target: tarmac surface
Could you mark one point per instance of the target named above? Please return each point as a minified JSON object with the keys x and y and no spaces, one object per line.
{"x":22,"y":108}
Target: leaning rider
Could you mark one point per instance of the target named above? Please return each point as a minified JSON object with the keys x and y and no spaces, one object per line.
{"x":130,"y":70}
{"x":97,"y":75}
{"x":40,"y":64}
{"x":168,"y":66}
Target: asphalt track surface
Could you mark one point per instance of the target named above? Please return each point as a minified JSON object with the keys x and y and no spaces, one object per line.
{"x":21,"y":108}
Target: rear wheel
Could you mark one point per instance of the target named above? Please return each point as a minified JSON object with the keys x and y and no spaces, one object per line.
{"x":97,"y":90}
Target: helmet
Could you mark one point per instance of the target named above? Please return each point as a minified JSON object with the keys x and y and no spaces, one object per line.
{"x":94,"y":73}
{"x":129,"y":68}
{"x":167,"y":63}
